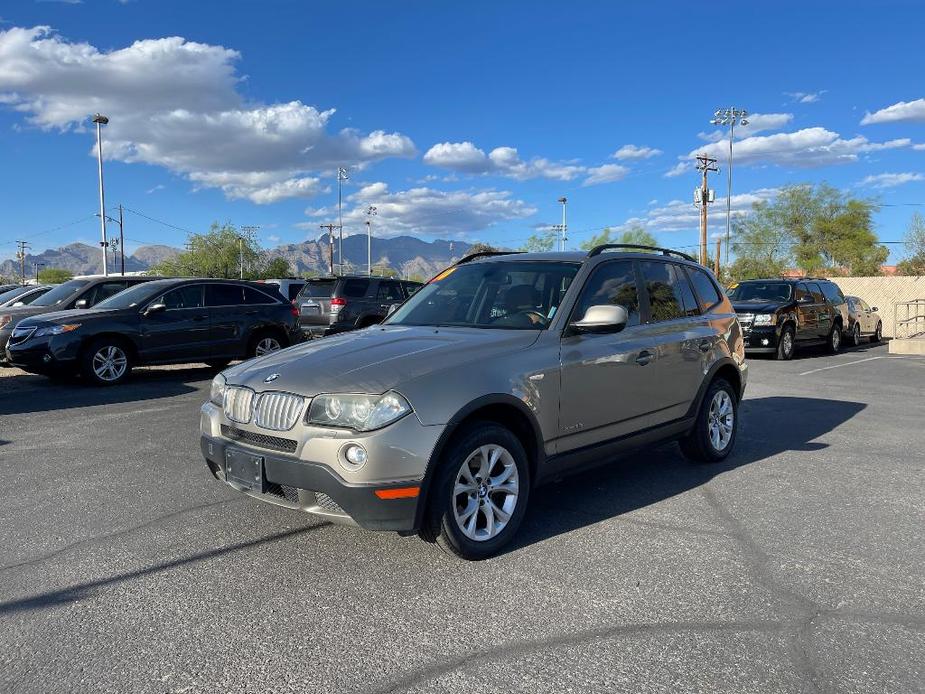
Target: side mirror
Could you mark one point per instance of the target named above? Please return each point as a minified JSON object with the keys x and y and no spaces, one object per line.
{"x":80,"y":303}
{"x":155,"y":308}
{"x":605,"y":318}
{"x":873,"y":309}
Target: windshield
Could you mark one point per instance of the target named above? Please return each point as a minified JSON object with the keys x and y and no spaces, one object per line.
{"x":762,"y":291}
{"x":317,"y":290}
{"x":509,"y":295}
{"x":61,"y":293}
{"x":132,"y":296}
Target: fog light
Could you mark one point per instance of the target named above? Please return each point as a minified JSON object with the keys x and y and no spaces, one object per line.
{"x":46,"y":358}
{"x":354,"y":456}
{"x":764,"y":341}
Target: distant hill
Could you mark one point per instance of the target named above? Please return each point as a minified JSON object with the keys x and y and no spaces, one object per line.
{"x":406,"y":254}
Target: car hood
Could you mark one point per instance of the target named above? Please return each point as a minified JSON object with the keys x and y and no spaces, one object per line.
{"x":376,"y":359}
{"x":74,"y":315}
{"x":758,"y":306}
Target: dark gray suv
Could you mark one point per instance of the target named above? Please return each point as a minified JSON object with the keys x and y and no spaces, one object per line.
{"x":502,"y":373}
{"x":329,"y":305}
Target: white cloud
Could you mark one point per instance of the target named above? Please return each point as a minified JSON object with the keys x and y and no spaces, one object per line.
{"x":919,"y":148}
{"x":607,"y":173}
{"x":681,"y":215}
{"x":175,"y":103}
{"x":426,"y":211}
{"x":757,"y":123}
{"x":901,"y":111}
{"x":159,"y":186}
{"x":890,"y":180}
{"x":682,"y":167}
{"x":807,"y":148}
{"x":634,"y":152}
{"x":273,"y":238}
{"x":465,"y":157}
{"x":805,"y":97}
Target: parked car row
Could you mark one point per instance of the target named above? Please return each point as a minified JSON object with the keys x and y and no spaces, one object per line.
{"x":779,"y":315}
{"x":330,"y":305}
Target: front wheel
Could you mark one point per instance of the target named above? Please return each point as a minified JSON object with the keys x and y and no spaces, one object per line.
{"x":107,"y":362}
{"x":834,"y":342}
{"x":878,"y":334}
{"x":264,"y":343}
{"x":785,"y":344}
{"x":481,"y":494}
{"x":856,"y":335}
{"x":713,"y":436}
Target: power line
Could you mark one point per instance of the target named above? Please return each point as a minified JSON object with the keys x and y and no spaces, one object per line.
{"x":159,"y":221}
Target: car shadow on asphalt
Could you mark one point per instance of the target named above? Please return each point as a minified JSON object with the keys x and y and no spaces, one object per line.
{"x":820,"y":351}
{"x":649,"y":476}
{"x":27,"y":393}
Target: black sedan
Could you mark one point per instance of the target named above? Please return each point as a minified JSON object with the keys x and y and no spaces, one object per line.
{"x":159,"y":322}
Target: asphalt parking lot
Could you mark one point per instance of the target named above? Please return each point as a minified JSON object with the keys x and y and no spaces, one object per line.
{"x":796,"y":566}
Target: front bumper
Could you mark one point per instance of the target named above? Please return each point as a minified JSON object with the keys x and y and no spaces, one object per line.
{"x":309,"y":478}
{"x":761,"y":338}
{"x":44,"y":354}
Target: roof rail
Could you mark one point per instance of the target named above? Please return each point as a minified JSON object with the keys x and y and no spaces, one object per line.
{"x":597,"y":250}
{"x":482,"y":254}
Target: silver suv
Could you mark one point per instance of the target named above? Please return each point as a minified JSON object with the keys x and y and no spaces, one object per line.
{"x":504,"y":372}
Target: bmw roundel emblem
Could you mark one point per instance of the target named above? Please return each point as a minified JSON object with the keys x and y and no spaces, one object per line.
{"x":271,"y":378}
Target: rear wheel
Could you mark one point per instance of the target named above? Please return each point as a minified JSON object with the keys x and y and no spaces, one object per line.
{"x":878,"y":334}
{"x":833,"y":344}
{"x":481,"y":492}
{"x":264,"y":343}
{"x":107,"y":362}
{"x":856,"y":334}
{"x":713,"y":436}
{"x":785,"y":344}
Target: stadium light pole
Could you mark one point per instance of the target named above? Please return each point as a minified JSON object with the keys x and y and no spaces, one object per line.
{"x":370,"y":212}
{"x":341,"y":177}
{"x":730,"y":117}
{"x":100,"y":121}
{"x":564,"y":202}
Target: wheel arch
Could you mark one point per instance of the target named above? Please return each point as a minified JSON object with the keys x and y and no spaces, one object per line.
{"x":122,"y":338}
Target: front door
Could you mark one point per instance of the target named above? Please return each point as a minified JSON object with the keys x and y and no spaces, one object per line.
{"x":604,"y":377}
{"x":181,"y":331}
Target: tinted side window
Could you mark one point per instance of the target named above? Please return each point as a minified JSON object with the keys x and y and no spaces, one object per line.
{"x":832,"y":292}
{"x":354,"y":288}
{"x":707,"y":292}
{"x":816,"y":292}
{"x":294,"y":290}
{"x":104,"y":290}
{"x":254,"y":296}
{"x":183,"y":297}
{"x":389,"y":291}
{"x":224,"y":295}
{"x":411,"y":287}
{"x":665,"y":284}
{"x":802,"y":290}
{"x":611,"y":283}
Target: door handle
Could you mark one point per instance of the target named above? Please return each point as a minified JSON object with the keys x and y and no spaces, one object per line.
{"x":199,"y":318}
{"x":644,"y":358}
{"x":705,"y":346}
{"x":251,"y":313}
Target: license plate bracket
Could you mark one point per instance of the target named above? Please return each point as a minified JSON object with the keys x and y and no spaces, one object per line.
{"x":245,"y":469}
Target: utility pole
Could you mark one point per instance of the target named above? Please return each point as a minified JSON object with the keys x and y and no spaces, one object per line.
{"x":330,"y":228}
{"x":370,"y":212}
{"x":121,"y":243}
{"x":35,"y":270}
{"x":729,"y":116}
{"x":564,"y":227}
{"x":21,"y":256}
{"x":719,"y":244}
{"x":704,"y":196}
{"x":341,"y":177}
{"x":101,"y":120}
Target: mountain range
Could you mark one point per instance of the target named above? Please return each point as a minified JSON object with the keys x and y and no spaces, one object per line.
{"x":406,"y":254}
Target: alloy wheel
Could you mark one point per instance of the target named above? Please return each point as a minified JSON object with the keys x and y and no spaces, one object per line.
{"x":721,"y":420}
{"x":857,"y":334}
{"x":267,"y":345}
{"x":485,"y":492}
{"x":787,"y":339}
{"x":110,"y":363}
{"x":836,"y":339}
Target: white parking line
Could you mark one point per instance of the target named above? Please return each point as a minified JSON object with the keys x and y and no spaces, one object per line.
{"x":835,"y":366}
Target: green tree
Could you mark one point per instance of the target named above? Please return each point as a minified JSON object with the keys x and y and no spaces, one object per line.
{"x":636,"y":235}
{"x":479,"y":247}
{"x":914,"y":264}
{"x":541,"y":241}
{"x":275,"y":267}
{"x":54,"y":275}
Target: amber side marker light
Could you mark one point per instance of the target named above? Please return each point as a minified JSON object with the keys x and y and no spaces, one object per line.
{"x":400,"y":493}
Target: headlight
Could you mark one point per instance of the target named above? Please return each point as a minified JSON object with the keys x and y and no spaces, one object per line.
{"x":56,"y":329}
{"x":765,"y":319}
{"x":357,"y":412}
{"x":217,"y":391}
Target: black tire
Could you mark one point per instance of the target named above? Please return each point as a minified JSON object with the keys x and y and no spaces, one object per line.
{"x":833,"y":342}
{"x":218,"y":364}
{"x":698,"y":445}
{"x":785,"y":345}
{"x":441,"y":522}
{"x":94,"y":358}
{"x":856,"y":335}
{"x":256,"y":346}
{"x":878,"y":334}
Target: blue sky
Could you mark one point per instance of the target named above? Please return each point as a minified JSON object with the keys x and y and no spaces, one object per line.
{"x":457,"y":120}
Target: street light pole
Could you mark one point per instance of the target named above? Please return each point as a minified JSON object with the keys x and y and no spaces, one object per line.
{"x":729,"y":116}
{"x":101,"y":120}
{"x":370,"y":211}
{"x":564,"y":202}
{"x":341,"y":177}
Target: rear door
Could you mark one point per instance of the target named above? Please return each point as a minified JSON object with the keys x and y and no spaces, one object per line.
{"x":226,"y":318}
{"x":808,"y":328}
{"x":825,"y":313}
{"x":181,"y":331}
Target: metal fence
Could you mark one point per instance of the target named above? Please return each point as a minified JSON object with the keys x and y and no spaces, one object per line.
{"x":887,"y":294}
{"x":909,"y":319}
